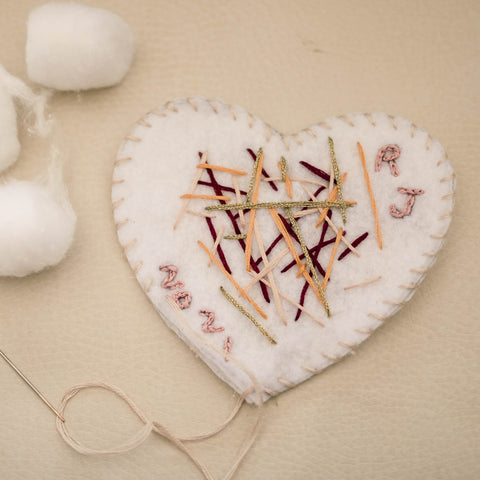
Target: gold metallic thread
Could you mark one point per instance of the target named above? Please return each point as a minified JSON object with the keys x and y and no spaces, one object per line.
{"x":308,"y":259}
{"x":240,"y":236}
{"x":283,"y":168}
{"x":303,"y":204}
{"x":234,"y":302}
{"x":254,"y":174}
{"x":338,"y":179}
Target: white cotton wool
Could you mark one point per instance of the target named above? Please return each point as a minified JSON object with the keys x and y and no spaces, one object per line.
{"x":37,"y":224}
{"x":77,"y":47}
{"x":9,"y":144}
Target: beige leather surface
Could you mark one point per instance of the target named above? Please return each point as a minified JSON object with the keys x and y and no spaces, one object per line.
{"x":407,"y":406}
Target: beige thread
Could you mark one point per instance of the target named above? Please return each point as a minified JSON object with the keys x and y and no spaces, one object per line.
{"x":408,"y":287}
{"x":171,"y":107}
{"x":349,"y":347}
{"x":430,"y":254}
{"x":148,"y":285}
{"x":213,"y":251}
{"x":201,"y":214}
{"x":137,"y":268}
{"x":121,"y":223}
{"x":346,"y":120}
{"x":448,"y":196}
{"x":272,"y":393}
{"x":192,"y":104}
{"x":269,"y":267}
{"x":413,"y":130}
{"x":212,"y":106}
{"x":159,"y":113}
{"x":297,"y":138}
{"x":129,"y":245}
{"x":429,"y":142}
{"x":271,"y":278}
{"x":133,"y":138}
{"x":150,"y":426}
{"x":118,"y":182}
{"x":365,"y":331}
{"x":419,"y":270}
{"x":393,"y":303}
{"x":438,"y":237}
{"x":144,"y":123}
{"x":118,"y":161}
{"x":311,"y":132}
{"x":442,"y":160}
{"x":447,"y":178}
{"x":393,"y":122}
{"x":250,"y":120}
{"x":311,"y":370}
{"x":331,"y":357}
{"x":232,"y":111}
{"x":377,"y":317}
{"x":285,"y":142}
{"x":117,"y":203}
{"x":361,"y":284}
{"x":446,"y":215}
{"x":369,"y":117}
{"x":268,"y":130}
{"x":286,"y":383}
{"x":324,"y":125}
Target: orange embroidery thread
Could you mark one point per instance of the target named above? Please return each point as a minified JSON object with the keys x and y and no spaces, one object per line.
{"x":370,"y":192}
{"x":206,"y":197}
{"x":331,"y":198}
{"x":234,"y":282}
{"x":221,"y":169}
{"x":332,"y":258}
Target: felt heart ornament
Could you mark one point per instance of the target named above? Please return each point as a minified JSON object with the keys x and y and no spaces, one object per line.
{"x":273,"y":256}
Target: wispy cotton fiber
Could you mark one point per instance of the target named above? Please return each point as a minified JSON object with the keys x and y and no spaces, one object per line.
{"x":77,"y":47}
{"x":37,"y":224}
{"x":9,"y":144}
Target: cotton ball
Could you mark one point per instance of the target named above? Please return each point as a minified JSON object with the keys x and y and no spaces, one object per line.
{"x":77,"y":47}
{"x":9,"y":144}
{"x":37,"y":224}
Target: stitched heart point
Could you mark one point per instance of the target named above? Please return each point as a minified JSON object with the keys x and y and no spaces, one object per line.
{"x":273,"y":256}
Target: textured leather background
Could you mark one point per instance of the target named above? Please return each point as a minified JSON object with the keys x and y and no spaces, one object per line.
{"x":407,"y":406}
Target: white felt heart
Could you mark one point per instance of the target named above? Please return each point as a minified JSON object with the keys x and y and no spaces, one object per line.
{"x":275,"y":333}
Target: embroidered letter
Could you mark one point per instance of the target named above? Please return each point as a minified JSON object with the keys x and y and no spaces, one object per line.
{"x":227,"y":347}
{"x":412,"y":193}
{"x":388,"y":153}
{"x":208,"y":326}
{"x":182,"y":299}
{"x":172,"y":271}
